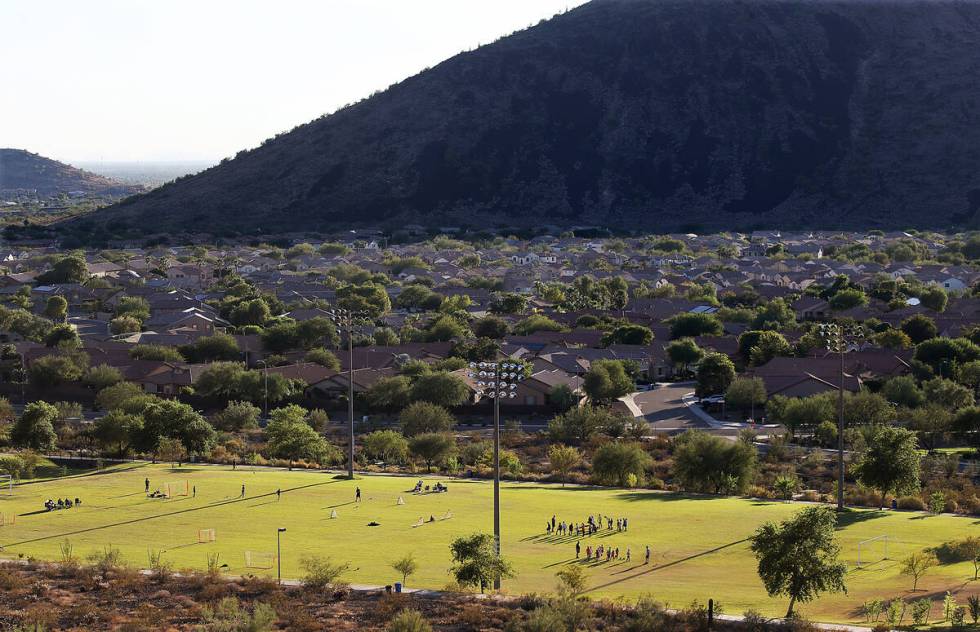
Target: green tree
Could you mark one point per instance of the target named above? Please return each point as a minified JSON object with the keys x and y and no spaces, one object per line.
{"x":684,"y":352}
{"x":691,"y":325}
{"x":237,"y":416}
{"x":102,"y":376}
{"x":156,"y":352}
{"x":476,"y":563}
{"x":387,"y":446}
{"x":70,"y":269}
{"x":405,"y":566}
{"x":56,"y":308}
{"x":35,"y":427}
{"x":607,"y":380}
{"x":934,"y":298}
{"x":620,"y":463}
{"x":890,"y":462}
{"x":370,"y":299}
{"x":389,"y":393}
{"x":535,"y":323}
{"x":919,"y":328}
{"x":175,"y":420}
{"x":424,"y":417}
{"x":251,"y":312}
{"x":562,"y":397}
{"x":892,"y":339}
{"x":745,"y":393}
{"x":216,"y":348}
{"x":628,"y":335}
{"x":715,"y":373}
{"x":947,"y":393}
{"x":52,"y":370}
{"x":118,"y":429}
{"x":492,"y":327}
{"x":323,"y":357}
{"x":63,"y":336}
{"x":441,"y":389}
{"x":903,"y":391}
{"x":563,"y":459}
{"x":707,"y":463}
{"x":509,"y":304}
{"x":580,"y":424}
{"x":799,"y":557}
{"x":848,"y":299}
{"x":292,"y":439}
{"x":432,"y":447}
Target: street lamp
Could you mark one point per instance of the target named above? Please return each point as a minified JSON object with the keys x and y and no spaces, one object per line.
{"x":496,"y":380}
{"x":279,"y":533}
{"x":839,"y":339}
{"x":344,"y":319}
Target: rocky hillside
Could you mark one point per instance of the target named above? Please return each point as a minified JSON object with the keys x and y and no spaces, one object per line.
{"x":21,"y":170}
{"x":652,"y":114}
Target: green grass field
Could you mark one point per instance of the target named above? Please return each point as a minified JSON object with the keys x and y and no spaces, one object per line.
{"x":699,"y":544}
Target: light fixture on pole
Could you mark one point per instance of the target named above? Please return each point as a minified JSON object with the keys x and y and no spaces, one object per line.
{"x":345,"y":319}
{"x":279,"y":533}
{"x":496,"y":380}
{"x":840,"y":338}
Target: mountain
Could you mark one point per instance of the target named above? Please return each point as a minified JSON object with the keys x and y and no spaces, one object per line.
{"x":637,"y":114}
{"x":22,"y":170}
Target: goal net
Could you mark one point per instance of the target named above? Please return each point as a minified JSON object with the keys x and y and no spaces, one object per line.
{"x":181,"y":488}
{"x":206,"y":535}
{"x":6,"y":485}
{"x":259,"y":559}
{"x":7,"y":519}
{"x":873,"y":550}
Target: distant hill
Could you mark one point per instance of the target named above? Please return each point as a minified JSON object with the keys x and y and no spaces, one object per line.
{"x":708,"y":114}
{"x":22,"y":170}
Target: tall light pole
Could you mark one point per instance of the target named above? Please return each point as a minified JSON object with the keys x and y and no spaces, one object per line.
{"x":279,"y":533}
{"x":496,"y":380}
{"x":344,"y":319}
{"x":840,"y":339}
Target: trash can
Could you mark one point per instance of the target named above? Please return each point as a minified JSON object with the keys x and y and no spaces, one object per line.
{"x":398,"y":587}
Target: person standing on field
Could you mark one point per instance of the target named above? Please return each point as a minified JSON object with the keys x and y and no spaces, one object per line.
{"x":146,"y":484}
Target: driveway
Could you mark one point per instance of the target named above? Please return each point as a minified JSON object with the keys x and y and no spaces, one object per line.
{"x":663,"y":408}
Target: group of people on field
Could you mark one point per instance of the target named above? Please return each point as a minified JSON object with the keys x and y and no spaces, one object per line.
{"x":589,"y":527}
{"x":51,"y":505}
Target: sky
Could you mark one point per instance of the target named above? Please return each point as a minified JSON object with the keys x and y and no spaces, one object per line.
{"x":198,"y":80}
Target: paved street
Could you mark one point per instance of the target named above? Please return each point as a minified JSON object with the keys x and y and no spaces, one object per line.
{"x":664,"y":409}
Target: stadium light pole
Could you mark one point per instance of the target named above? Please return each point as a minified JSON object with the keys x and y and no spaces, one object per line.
{"x":503,"y":378}
{"x":344,"y":318}
{"x":839,"y":339}
{"x":279,"y":533}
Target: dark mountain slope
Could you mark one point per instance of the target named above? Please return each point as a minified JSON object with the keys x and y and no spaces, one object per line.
{"x":638,"y":114}
{"x":22,"y":170}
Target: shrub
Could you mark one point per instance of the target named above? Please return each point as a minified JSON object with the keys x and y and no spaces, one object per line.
{"x":614,"y":464}
{"x":229,"y":615}
{"x":409,"y":621}
{"x":321,"y":572}
{"x":911,"y":503}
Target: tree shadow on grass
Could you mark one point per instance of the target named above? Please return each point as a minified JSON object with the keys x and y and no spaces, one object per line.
{"x":855,"y":516}
{"x":667,"y":496}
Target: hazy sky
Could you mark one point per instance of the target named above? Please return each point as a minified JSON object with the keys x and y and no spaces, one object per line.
{"x":200,"y":79}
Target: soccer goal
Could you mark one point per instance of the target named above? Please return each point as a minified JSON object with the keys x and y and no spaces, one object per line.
{"x":6,"y":485}
{"x":259,"y":559}
{"x":873,"y":550}
{"x":182,"y":488}
{"x":7,"y":519}
{"x":206,"y":535}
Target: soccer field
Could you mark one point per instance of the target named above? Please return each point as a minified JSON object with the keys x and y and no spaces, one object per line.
{"x":699,"y":544}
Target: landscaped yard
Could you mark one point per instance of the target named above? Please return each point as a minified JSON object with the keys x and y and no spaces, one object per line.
{"x":699,"y":544}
